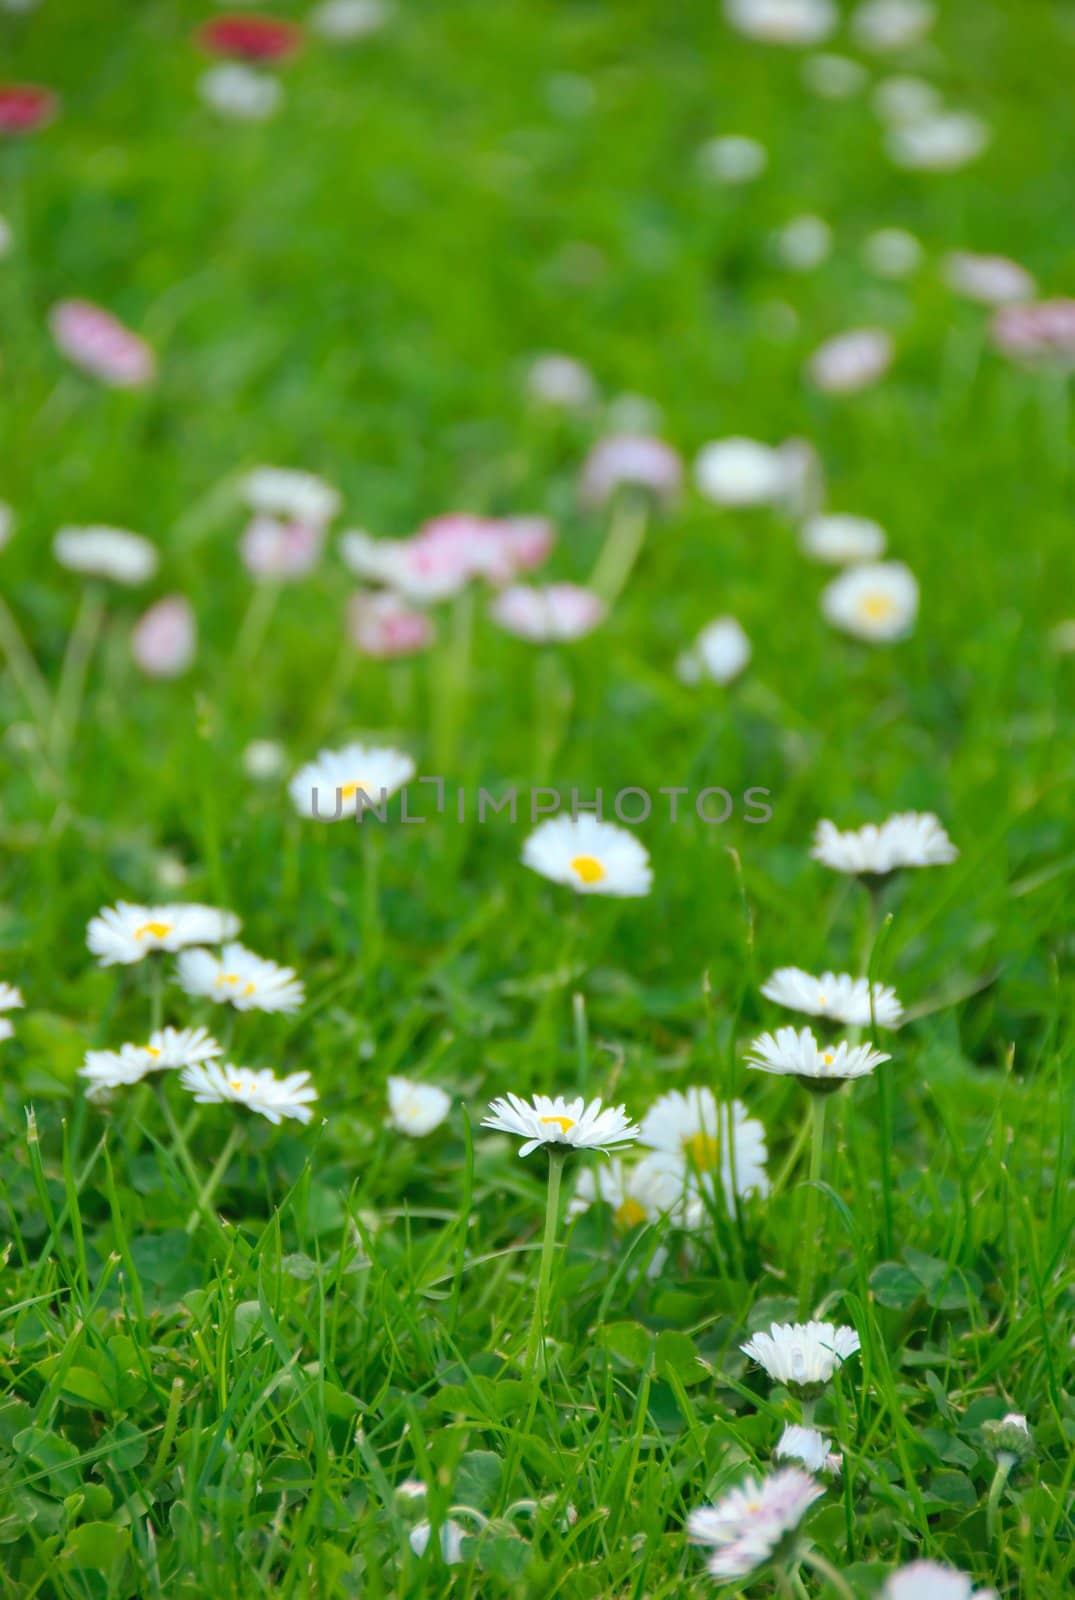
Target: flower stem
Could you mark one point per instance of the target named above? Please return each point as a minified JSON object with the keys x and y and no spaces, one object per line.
{"x":811,"y":1242}
{"x":535,"y":1349}
{"x":826,"y":1570}
{"x":996,"y":1489}
{"x":626,"y":536}
{"x":156,"y":993}
{"x":74,"y":671}
{"x":25,"y":673}
{"x":209,"y":1188}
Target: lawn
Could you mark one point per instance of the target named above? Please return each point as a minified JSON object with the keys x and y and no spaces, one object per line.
{"x":374,"y":1352}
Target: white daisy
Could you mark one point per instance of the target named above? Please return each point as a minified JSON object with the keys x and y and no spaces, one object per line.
{"x":560,"y":381}
{"x":167,"y":1050}
{"x":891,"y":24}
{"x":803,"y":243}
{"x":264,"y":759}
{"x":750,"y":1524}
{"x":892,"y":252}
{"x":851,"y":361}
{"x":165,"y":638}
{"x":840,"y":539}
{"x":989,"y":280}
{"x":876,"y":602}
{"x":240,"y":978}
{"x":590,"y":856}
{"x":720,"y":653}
{"x":297,"y":496}
{"x":111,"y":553}
{"x":836,"y":996}
{"x":903,"y":99}
{"x":928,"y":1580}
{"x":345,"y":20}
{"x":10,"y":997}
{"x":561,"y":1122}
{"x":452,"y":1535}
{"x":385,"y":626}
{"x":416,"y":1108}
{"x":1009,"y":1438}
{"x":650,"y":1189}
{"x":799,"y":1055}
{"x":557,"y":611}
{"x":692,"y":1127}
{"x":809,"y":1448}
{"x":271,"y":1097}
{"x":783,"y":21}
{"x":802,"y":1355}
{"x":833,"y":77}
{"x":631,"y":461}
{"x":941,"y":143}
{"x":420,"y":570}
{"x":340,"y":783}
{"x":124,"y":933}
{"x":236,"y":90}
{"x":907,"y":839}
{"x":733,"y":158}
{"x":741,"y":472}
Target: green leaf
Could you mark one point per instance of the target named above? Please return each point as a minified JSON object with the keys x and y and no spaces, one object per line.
{"x":895,"y":1286}
{"x":628,"y":1340}
{"x":477,"y":1479}
{"x":97,"y":1547}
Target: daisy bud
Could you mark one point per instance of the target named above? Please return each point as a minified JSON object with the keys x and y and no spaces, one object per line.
{"x":1010,"y":1436}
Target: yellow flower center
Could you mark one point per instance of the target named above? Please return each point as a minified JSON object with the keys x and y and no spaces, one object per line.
{"x":701,"y":1150}
{"x":151,"y":1050}
{"x":227,"y":977}
{"x":565,"y":1124}
{"x":828,"y":1058}
{"x":153,"y":930}
{"x":588,"y":868}
{"x":236,"y":1084}
{"x":349,"y":790}
{"x":877,"y":606}
{"x":630,"y":1214}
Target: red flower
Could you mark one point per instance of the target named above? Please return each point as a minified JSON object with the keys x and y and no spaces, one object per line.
{"x":250,"y":38}
{"x":25,"y":107}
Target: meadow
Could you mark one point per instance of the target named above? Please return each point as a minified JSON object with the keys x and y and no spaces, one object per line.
{"x":394,"y":399}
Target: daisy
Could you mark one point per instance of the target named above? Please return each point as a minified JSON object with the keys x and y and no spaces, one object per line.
{"x":347,"y":782}
{"x":240,"y":978}
{"x":904,"y":100}
{"x":240,"y":92}
{"x":650,"y":1189}
{"x":704,"y":1137}
{"x":271,"y":1097}
{"x":907,"y":839}
{"x":25,"y":107}
{"x":740,"y":472}
{"x":167,"y":1050}
{"x":589,"y":856}
{"x":819,"y":1067}
{"x":124,"y":933}
{"x":96,"y":341}
{"x":452,"y":1535}
{"x":385,"y":627}
{"x":809,"y":1448}
{"x":423,"y":573}
{"x":344,"y":20}
{"x":733,"y":159}
{"x":1009,"y":1438}
{"x":561,"y":1122}
{"x":753,"y":1523}
{"x":891,"y":24}
{"x":112,"y":553}
{"x":165,"y":638}
{"x":941,"y":143}
{"x":851,"y":361}
{"x":802,"y":1355}
{"x":1041,"y":332}
{"x":264,"y":759}
{"x":837,"y":996}
{"x":892,"y":252}
{"x":783,"y":21}
{"x":990,"y":280}
{"x":928,"y":1580}
{"x":416,"y":1108}
{"x":557,"y":612}
{"x":833,"y":77}
{"x":631,"y":461}
{"x":10,"y":997}
{"x":290,"y":495}
{"x":720,"y":653}
{"x":249,"y":38}
{"x":561,"y":382}
{"x":876,"y":602}
{"x":803,"y":243}
{"x":840,"y":539}
{"x":274,"y":549}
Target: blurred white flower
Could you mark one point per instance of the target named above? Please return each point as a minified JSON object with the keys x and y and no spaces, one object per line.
{"x":274,"y":549}
{"x":236,"y":90}
{"x":560,"y":1122}
{"x":928,"y":1580}
{"x":791,"y":1054}
{"x":416,"y":1108}
{"x":10,"y":997}
{"x":345,"y":20}
{"x":903,"y":99}
{"x":634,"y":461}
{"x":452,"y":1535}
{"x":271,"y":1097}
{"x":833,"y":77}
{"x":338,"y":783}
{"x":990,"y":280}
{"x":875,"y":602}
{"x":841,"y":539}
{"x":720,"y":653}
{"x":891,"y":24}
{"x":851,"y":361}
{"x":112,"y":553}
{"x":940,"y":143}
{"x":783,"y":21}
{"x":802,"y":1355}
{"x":125,"y":933}
{"x":907,"y":839}
{"x":264,"y":759}
{"x":557,"y":611}
{"x":1041,"y":332}
{"x":385,"y":626}
{"x":93,"y":339}
{"x":560,"y":381}
{"x":803,"y":243}
{"x":733,"y":158}
{"x":168,"y":1049}
{"x":714,"y":1142}
{"x":741,"y":472}
{"x":423,"y":574}
{"x":752,"y":1523}
{"x":239,"y":978}
{"x":892,"y":253}
{"x":1062,"y":637}
{"x":809,"y":1448}
{"x":165,"y":638}
{"x":643,"y":1192}
{"x":589,"y":856}
{"x":836,"y":996}
{"x":290,"y":494}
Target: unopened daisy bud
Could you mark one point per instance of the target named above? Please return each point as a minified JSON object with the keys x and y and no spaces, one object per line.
{"x":410,"y":1498}
{"x":1009,"y":1436}
{"x":810,"y":1448}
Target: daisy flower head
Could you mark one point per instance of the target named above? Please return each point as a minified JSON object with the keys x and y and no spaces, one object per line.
{"x":851,"y":361}
{"x":876,"y":602}
{"x":589,"y":856}
{"x":350,"y":781}
{"x":10,"y":997}
{"x":789,"y":22}
{"x":264,"y":760}
{"x":891,"y":24}
{"x":386,"y":627}
{"x":239,"y":978}
{"x":422,"y":571}
{"x":346,"y":20}
{"x":821,"y":1068}
{"x":1039,"y":333}
{"x":94,"y":340}
{"x":833,"y":77}
{"x":929,"y":1580}
{"x":892,"y":252}
{"x":988,"y":280}
{"x":752,"y":1524}
{"x":1009,"y":1438}
{"x":416,"y":1109}
{"x":290,"y":495}
{"x":802,"y":1355}
{"x":838,"y":997}
{"x":111,"y":553}
{"x":559,"y":1122}
{"x":907,"y":839}
{"x":168,"y":1050}
{"x":631,"y":461}
{"x":809,"y":1448}
{"x":276,"y":550}
{"x":216,"y":1083}
{"x":165,"y":638}
{"x":452,"y":1534}
{"x":650,"y":1189}
{"x":122,"y":934}
{"x":560,"y":382}
{"x":803,"y":243}
{"x":841,"y":539}
{"x":720,"y":653}
{"x":235,"y":90}
{"x":943,"y":142}
{"x":733,"y":158}
{"x":557,"y":612}
{"x":740,"y":472}
{"x":711,"y":1142}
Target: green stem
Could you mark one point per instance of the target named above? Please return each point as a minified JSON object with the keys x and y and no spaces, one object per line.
{"x":884,"y":1098}
{"x":24,"y":670}
{"x":535,"y":1349}
{"x":74,"y":671}
{"x":156,"y":993}
{"x":996,"y":1489}
{"x":255,"y":624}
{"x":826,"y":1570}
{"x":626,"y":536}
{"x":209,"y":1188}
{"x":811,"y":1243}
{"x":582,"y":1040}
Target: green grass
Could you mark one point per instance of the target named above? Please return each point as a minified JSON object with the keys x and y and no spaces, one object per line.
{"x":355,"y":288}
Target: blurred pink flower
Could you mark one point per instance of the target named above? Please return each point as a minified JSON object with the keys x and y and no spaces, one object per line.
{"x":277,"y":549}
{"x":165,"y":638}
{"x":385,"y":625}
{"x":559,"y":611}
{"x":1043,"y":332}
{"x":450,"y":551}
{"x":851,"y":361}
{"x":633,"y":460}
{"x":98,"y":342}
{"x":25,"y":107}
